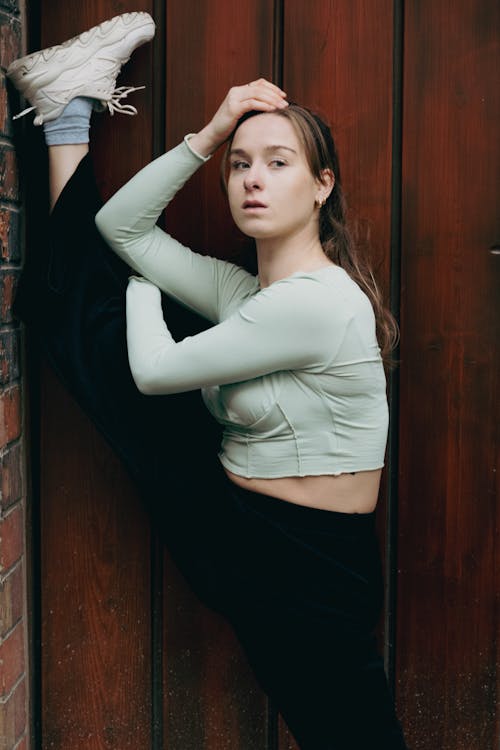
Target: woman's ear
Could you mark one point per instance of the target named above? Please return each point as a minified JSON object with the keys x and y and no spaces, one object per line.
{"x":327,"y":179}
{"x":325,"y":185}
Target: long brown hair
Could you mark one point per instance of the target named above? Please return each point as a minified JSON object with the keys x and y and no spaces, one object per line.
{"x":334,"y":234}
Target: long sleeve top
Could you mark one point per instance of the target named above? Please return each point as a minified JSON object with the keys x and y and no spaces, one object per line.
{"x":292,"y":371}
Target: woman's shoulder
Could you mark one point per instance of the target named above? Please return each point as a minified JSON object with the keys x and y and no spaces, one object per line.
{"x":329,"y":285}
{"x":340,"y":287}
{"x":304,"y":299}
{"x":326,"y":298}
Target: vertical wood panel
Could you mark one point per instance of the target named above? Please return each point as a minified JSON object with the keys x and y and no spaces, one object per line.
{"x":95,"y":597}
{"x":337,"y":60}
{"x":95,"y":578}
{"x":448,"y":595}
{"x":211,"y":46}
{"x":211,"y":698}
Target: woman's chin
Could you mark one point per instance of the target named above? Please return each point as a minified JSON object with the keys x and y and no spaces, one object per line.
{"x":254,"y":230}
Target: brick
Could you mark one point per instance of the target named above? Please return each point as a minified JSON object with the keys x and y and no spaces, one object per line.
{"x":13,"y":717}
{"x":11,"y":600}
{"x":8,"y":282}
{"x":5,"y":119}
{"x":11,"y":538}
{"x":10,"y":245}
{"x":9,"y":189}
{"x":20,"y":717}
{"x":11,"y":660}
{"x":9,"y":356}
{"x":10,"y":39}
{"x":11,"y":476}
{"x":10,"y":415}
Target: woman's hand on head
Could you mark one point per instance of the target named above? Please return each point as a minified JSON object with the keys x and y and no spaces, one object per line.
{"x":260,"y":95}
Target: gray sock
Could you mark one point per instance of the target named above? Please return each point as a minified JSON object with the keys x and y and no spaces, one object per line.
{"x":72,"y":125}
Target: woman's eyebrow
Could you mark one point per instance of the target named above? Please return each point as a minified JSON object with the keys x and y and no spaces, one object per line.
{"x":277,"y":147}
{"x":238,"y":152}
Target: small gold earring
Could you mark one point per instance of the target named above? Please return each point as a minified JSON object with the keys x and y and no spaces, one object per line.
{"x":320,"y":202}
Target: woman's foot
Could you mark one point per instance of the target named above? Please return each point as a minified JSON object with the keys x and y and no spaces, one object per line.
{"x":86,"y":65}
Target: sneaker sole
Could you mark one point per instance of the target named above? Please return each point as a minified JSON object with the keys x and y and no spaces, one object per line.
{"x":23,"y":72}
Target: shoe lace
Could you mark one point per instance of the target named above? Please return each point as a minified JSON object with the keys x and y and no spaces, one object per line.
{"x":114,"y":104}
{"x":24,"y":112}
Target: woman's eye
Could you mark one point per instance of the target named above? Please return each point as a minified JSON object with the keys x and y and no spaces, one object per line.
{"x":239,"y":165}
{"x":278,"y":163}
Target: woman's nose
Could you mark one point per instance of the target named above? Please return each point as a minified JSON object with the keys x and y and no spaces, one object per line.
{"x":253,"y":179}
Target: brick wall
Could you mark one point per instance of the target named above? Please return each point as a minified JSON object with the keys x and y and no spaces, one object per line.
{"x":14,"y":723}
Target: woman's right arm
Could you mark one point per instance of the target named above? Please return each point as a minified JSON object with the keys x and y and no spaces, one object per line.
{"x":128,"y":224}
{"x":128,"y":220}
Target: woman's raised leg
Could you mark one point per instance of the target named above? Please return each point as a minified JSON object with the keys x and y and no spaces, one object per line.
{"x":63,"y":161}
{"x":73,"y":296}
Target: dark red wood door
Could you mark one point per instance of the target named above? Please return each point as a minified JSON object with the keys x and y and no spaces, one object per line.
{"x":127,"y":657}
{"x":449,"y":561}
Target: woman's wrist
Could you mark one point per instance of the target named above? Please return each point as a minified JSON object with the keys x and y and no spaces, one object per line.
{"x":204,"y":143}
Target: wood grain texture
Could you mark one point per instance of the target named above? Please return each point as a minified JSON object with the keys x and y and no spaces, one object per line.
{"x":211,"y":698}
{"x":95,"y":618}
{"x":337,"y":60}
{"x":449,"y":554}
{"x":211,"y":46}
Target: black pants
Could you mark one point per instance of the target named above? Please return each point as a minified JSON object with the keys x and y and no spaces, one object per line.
{"x":301,"y":587}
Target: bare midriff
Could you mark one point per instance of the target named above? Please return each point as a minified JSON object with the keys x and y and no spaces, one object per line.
{"x":345,"y":493}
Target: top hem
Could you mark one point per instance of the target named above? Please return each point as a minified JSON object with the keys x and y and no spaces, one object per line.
{"x":310,"y":473}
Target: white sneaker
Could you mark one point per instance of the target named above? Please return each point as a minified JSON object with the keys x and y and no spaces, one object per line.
{"x":86,"y":65}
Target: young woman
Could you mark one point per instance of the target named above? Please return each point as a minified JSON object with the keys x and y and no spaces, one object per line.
{"x":278,"y":534}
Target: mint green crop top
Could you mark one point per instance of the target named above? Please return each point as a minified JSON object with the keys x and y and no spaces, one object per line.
{"x":292,"y":371}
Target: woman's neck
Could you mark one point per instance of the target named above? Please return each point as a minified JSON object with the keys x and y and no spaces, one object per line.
{"x":277,"y":258}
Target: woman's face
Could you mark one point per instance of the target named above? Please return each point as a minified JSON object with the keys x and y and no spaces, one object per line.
{"x":271,"y":189}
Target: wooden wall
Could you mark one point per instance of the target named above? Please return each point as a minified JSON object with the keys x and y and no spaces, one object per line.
{"x":126,"y":657}
{"x":449,"y":556}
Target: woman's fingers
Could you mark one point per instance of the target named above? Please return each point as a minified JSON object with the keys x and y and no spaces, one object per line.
{"x":259,"y":94}
{"x":259,"y":104}
{"x":263,"y":94}
{"x":269,"y":84}
{"x":264,"y":91}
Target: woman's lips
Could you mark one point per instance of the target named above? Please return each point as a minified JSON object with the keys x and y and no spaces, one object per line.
{"x":253,"y":204}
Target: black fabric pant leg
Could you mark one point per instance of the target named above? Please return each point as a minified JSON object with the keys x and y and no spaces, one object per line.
{"x":72,"y":293}
{"x":332,"y":693}
{"x":307,"y":594}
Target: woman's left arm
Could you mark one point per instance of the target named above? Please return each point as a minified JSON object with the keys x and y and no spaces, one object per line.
{"x":292,"y":324}
{"x":128,"y":220}
{"x":128,"y":224}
